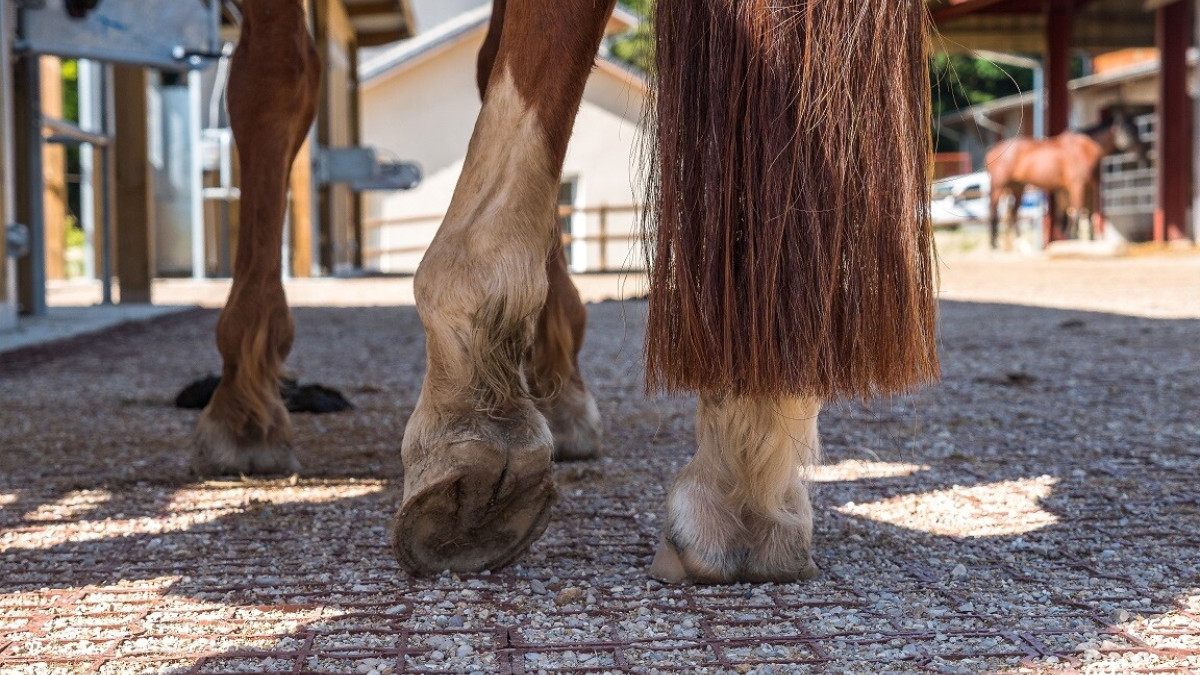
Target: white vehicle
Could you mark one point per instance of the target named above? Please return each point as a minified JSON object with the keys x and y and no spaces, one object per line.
{"x":961,"y":200}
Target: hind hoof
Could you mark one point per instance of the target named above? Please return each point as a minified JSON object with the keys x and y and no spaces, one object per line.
{"x":216,"y":451}
{"x":575,"y":423}
{"x":474,"y":504}
{"x":709,"y":540}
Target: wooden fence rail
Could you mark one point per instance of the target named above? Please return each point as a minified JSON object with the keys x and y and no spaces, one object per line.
{"x":602,"y":236}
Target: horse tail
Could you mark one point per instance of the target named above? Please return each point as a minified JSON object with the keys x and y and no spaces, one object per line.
{"x":787,"y":227}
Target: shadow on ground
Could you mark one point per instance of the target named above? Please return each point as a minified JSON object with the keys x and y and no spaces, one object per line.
{"x":1037,"y":509}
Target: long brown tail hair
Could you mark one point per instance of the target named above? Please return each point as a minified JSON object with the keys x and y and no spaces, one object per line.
{"x":789,"y":237}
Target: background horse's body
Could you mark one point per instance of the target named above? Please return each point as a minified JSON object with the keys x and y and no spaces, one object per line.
{"x":1067,"y":163}
{"x":792,"y":264}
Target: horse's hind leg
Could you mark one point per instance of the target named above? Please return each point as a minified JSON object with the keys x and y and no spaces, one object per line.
{"x":476,"y":452}
{"x":751,"y":463}
{"x":996,"y":194}
{"x":1014,"y":215}
{"x":272,"y":100}
{"x":554,"y":375}
{"x":789,"y":269}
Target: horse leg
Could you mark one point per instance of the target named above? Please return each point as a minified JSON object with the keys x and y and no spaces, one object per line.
{"x":769,"y":297}
{"x":554,"y":375}
{"x":752,"y":461}
{"x":553,"y":372}
{"x":996,"y":194}
{"x":476,"y":451}
{"x":1014,"y":213}
{"x":272,"y":101}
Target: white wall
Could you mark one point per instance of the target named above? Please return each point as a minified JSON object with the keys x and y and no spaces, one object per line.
{"x":426,"y":113}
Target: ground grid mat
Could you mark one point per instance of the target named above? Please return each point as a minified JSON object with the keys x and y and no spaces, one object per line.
{"x":1037,"y":511}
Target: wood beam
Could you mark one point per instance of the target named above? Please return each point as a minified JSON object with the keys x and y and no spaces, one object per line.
{"x":959,"y":8}
{"x":134,"y":212}
{"x":54,"y":170}
{"x":371,"y":7}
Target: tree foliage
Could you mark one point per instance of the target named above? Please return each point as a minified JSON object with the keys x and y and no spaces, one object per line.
{"x":960,"y":81}
{"x":636,"y":47}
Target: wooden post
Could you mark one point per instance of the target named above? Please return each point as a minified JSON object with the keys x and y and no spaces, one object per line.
{"x":54,"y":171}
{"x":603,"y":237}
{"x":1174,"y":123}
{"x":134,"y":212}
{"x":301,"y":212}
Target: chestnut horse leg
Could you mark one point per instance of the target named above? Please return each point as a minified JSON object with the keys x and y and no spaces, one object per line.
{"x":1076,"y":211}
{"x":476,"y":451}
{"x":553,"y":371}
{"x":1014,"y":214}
{"x":789,"y":269}
{"x":554,"y":375}
{"x":995,"y":195}
{"x":272,"y":100}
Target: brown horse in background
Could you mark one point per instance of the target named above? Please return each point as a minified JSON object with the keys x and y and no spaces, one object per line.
{"x":1068,"y":162}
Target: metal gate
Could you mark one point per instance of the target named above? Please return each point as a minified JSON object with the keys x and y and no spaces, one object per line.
{"x":1128,"y":192}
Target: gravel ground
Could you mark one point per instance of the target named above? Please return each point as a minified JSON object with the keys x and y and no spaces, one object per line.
{"x":1037,"y":511}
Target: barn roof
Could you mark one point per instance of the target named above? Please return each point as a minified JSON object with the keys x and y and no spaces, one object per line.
{"x":1020,"y":25}
{"x":433,"y":39}
{"x":378,"y":22}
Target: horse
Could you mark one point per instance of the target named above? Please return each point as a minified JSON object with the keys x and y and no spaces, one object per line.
{"x":791,"y":263}
{"x":1067,"y":162}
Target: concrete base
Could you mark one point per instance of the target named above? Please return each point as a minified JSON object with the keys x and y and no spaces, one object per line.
{"x":66,"y":322}
{"x":1076,"y":248}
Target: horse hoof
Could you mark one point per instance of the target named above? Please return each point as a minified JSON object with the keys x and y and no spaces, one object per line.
{"x":473,"y":505}
{"x":575,"y":424}
{"x":670,"y":566}
{"x":216,"y":451}
{"x":708,"y":541}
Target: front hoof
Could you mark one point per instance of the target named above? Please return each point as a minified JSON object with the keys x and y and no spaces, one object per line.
{"x":216,"y":451}
{"x":473,"y":505}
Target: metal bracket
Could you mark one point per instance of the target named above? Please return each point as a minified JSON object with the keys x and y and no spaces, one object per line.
{"x":16,"y":238}
{"x":361,"y":168}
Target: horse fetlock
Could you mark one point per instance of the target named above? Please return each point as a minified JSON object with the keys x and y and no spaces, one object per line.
{"x":574,"y":421}
{"x":224,"y":444}
{"x":477,"y":488}
{"x":712,"y":537}
{"x":740,"y":510}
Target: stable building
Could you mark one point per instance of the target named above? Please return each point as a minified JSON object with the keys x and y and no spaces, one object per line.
{"x":142,"y":180}
{"x":1056,"y":29}
{"x":420,"y":101}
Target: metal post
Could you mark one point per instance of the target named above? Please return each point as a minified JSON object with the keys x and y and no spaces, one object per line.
{"x":89,"y":119}
{"x":8,"y":286}
{"x":1195,"y":94}
{"x":1174,"y":131}
{"x":108,"y":167}
{"x":1039,"y":84}
{"x":1058,"y":112}
{"x":195,"y":111}
{"x":36,"y":293}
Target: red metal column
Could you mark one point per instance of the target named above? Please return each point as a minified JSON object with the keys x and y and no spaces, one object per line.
{"x":1058,"y":67}
{"x":1174,"y":123}
{"x":1058,"y":104}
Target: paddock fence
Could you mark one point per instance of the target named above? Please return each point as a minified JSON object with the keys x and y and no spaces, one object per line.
{"x":597,"y":238}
